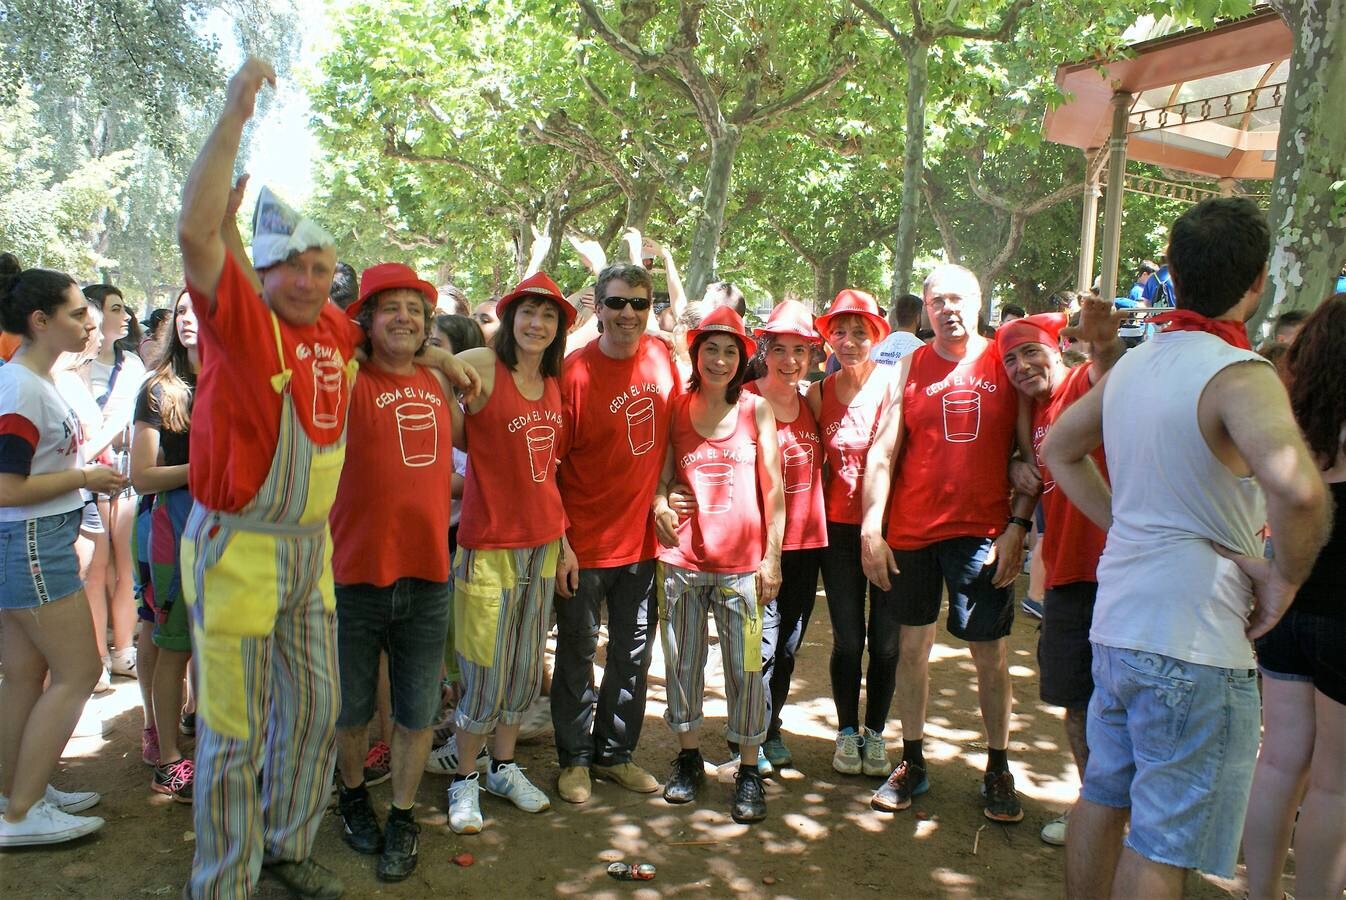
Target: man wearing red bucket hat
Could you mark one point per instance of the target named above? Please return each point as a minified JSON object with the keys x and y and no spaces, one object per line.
{"x":390,"y":560}
{"x":1071,"y":544}
{"x":944,"y":447}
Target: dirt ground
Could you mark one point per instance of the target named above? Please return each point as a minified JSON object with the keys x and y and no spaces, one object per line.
{"x":820,"y":838}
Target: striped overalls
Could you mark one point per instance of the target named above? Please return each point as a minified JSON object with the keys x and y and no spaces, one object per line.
{"x":259,"y":586}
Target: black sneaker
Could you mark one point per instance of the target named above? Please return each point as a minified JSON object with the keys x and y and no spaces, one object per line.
{"x":360,"y":826}
{"x":687,"y":775}
{"x":749,"y":797}
{"x":904,"y":782}
{"x":401,"y":839}
{"x":1002,"y":803}
{"x":306,"y":879}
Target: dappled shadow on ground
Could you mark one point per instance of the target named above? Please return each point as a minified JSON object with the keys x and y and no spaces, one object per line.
{"x":820,"y":837}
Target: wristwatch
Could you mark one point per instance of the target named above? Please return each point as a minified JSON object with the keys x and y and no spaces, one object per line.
{"x":1025,"y":524}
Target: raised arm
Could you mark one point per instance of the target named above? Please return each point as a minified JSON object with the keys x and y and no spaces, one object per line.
{"x":206,"y":195}
{"x":1098,"y":327}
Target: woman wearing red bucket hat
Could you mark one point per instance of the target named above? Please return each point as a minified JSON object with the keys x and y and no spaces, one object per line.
{"x":510,"y":540}
{"x":846,"y":405}
{"x":790,"y":340}
{"x":723,"y":558}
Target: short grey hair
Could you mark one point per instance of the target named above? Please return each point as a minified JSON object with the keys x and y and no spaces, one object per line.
{"x":951,"y":271}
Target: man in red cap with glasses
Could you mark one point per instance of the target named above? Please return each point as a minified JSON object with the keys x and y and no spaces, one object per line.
{"x":615,"y":393}
{"x":943,"y":446}
{"x":390,"y":556}
{"x":1030,"y":349}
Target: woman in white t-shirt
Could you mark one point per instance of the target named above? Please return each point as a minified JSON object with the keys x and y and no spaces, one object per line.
{"x":115,"y":376}
{"x":47,"y":626}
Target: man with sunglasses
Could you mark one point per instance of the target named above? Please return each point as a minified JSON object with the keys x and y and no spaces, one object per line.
{"x":615,"y":392}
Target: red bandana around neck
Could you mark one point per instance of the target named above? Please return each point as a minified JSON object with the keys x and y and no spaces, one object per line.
{"x":1232,"y":333}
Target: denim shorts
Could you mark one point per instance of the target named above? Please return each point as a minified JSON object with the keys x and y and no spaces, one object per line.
{"x":978,"y":610}
{"x":37,"y":560}
{"x":1176,"y":742}
{"x":408,"y":619}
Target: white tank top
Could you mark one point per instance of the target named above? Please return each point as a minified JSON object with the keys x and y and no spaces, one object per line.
{"x":1161,"y":586}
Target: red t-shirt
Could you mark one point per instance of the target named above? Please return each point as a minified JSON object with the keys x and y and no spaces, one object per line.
{"x":236,"y":412}
{"x":801,"y":462}
{"x":616,"y":433}
{"x":1072,"y":544}
{"x":847,"y":432}
{"x":725,"y":533}
{"x":391,"y":515}
{"x":952,"y":474}
{"x":510,"y":498}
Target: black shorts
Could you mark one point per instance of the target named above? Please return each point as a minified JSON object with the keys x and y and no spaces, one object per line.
{"x":1307,"y":647}
{"x":1065,"y":657}
{"x":978,"y":611}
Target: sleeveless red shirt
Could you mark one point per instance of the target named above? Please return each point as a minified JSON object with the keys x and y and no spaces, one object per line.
{"x":390,"y":519}
{"x":801,"y":462}
{"x":725,"y":534}
{"x":510,"y":498}
{"x":952,"y":474}
{"x":847,"y":432}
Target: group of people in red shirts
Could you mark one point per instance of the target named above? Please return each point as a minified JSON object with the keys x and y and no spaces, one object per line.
{"x":318,"y":536}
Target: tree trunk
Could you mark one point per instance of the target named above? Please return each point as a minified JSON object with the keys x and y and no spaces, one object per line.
{"x":1308,"y":196}
{"x":904,"y":245}
{"x":638,"y":206}
{"x":822,"y":284}
{"x":839,"y":273}
{"x":710,"y":221}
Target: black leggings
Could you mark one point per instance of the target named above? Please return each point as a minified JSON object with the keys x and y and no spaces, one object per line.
{"x":847,"y":589}
{"x":784,"y":623}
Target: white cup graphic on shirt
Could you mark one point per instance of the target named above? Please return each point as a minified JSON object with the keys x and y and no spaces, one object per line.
{"x":714,"y":487}
{"x":541,"y":443}
{"x":797,"y":468}
{"x":853,"y":447}
{"x":640,"y":426}
{"x":962,"y":416}
{"x":327,"y":376}
{"x":417,"y":434}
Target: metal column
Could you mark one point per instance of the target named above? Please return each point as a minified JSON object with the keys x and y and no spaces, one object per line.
{"x":1088,"y":225}
{"x":1112,"y":207}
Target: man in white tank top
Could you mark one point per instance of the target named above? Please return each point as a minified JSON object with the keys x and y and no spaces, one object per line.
{"x":1202,"y":451}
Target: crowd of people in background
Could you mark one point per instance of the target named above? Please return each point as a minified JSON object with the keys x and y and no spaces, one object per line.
{"x":346,"y":510}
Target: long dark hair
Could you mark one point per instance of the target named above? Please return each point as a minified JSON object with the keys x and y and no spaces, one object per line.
{"x":507,"y":348}
{"x":1317,"y":367}
{"x":26,"y":291}
{"x":463,"y":332}
{"x":735,"y":385}
{"x":170,"y":374}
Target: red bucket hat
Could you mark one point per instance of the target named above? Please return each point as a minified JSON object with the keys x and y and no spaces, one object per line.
{"x":1043,"y":328}
{"x":387,"y":277}
{"x":789,"y":317}
{"x":724,"y":320}
{"x":851,"y":302}
{"x":540,"y":287}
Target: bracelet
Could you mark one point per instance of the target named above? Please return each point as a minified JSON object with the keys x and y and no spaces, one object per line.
{"x":84,"y":478}
{"x":1025,"y":524}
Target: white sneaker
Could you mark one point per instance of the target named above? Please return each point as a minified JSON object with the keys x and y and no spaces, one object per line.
{"x":509,"y":782}
{"x":846,"y":759}
{"x":465,"y":805}
{"x":443,"y":760}
{"x":105,"y":680}
{"x":45,"y":824}
{"x":65,"y":801}
{"x":536,"y":720}
{"x":1054,"y":832}
{"x":123,"y":662}
{"x":875,"y":763}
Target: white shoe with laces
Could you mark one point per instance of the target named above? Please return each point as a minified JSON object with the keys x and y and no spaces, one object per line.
{"x":875,"y":763}
{"x":846,"y":759}
{"x":1054,"y":832}
{"x":443,"y":760}
{"x":509,"y":782}
{"x":465,"y":805}
{"x":66,"y":801}
{"x":45,"y":824}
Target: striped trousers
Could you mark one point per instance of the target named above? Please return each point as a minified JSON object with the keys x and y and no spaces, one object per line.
{"x":269,"y":698}
{"x":501,"y":615}
{"x":686,"y":597}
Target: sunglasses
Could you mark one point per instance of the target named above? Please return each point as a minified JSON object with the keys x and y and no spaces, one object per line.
{"x":639,"y":304}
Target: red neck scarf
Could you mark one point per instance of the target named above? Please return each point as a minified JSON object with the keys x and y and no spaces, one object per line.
{"x":1232,"y":333}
